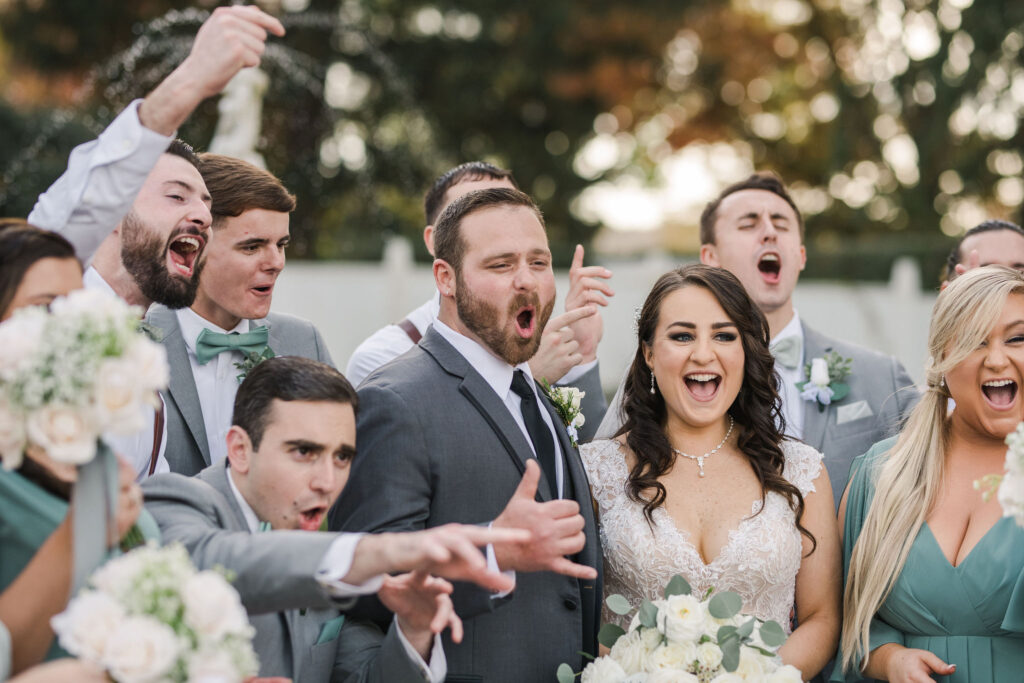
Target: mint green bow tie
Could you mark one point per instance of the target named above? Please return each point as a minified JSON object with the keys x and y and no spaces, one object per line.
{"x":210,"y":343}
{"x":264,"y":527}
{"x":787,"y":351}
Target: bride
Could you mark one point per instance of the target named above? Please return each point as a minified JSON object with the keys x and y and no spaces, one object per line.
{"x":699,"y":481}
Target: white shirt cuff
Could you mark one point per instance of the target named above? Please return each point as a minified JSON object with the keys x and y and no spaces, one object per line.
{"x":335,"y":565}
{"x":492,"y":566}
{"x":437,"y":670}
{"x":576,"y":372}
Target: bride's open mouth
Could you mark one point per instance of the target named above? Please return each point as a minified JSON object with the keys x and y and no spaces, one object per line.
{"x":310,"y":519}
{"x":183,"y":252}
{"x":703,"y":386}
{"x":1001,"y":394}
{"x":526,"y":322}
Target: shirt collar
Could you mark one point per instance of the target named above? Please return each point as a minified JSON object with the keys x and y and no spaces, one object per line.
{"x":495,"y":371}
{"x":92,"y":279}
{"x":251,"y":520}
{"x":792,"y":329}
{"x":192,"y":324}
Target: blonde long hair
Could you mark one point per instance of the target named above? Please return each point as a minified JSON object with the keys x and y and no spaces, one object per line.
{"x":910,"y":476}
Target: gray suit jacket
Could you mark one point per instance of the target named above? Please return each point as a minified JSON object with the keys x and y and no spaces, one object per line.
{"x":299,"y":632}
{"x":188,"y":450}
{"x":881,"y":397}
{"x":437,"y":445}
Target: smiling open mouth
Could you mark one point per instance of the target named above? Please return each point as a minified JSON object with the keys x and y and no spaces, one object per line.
{"x":770,"y":267}
{"x":183,"y":252}
{"x":703,"y":386}
{"x":311,"y":519}
{"x":1000,"y":393}
{"x":526,"y":322}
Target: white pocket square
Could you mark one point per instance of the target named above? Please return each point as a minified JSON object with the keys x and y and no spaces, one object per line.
{"x":853,"y":411}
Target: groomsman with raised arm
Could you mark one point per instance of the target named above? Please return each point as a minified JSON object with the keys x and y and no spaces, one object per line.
{"x":567,"y":355}
{"x":288,"y":460}
{"x":456,"y":426}
{"x":754,"y":230}
{"x":134,"y":204}
{"x":229,"y":327}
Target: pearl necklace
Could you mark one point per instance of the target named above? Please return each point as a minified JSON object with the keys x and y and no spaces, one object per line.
{"x":700,"y":458}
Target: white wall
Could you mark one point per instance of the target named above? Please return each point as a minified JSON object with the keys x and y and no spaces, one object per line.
{"x":350,"y":300}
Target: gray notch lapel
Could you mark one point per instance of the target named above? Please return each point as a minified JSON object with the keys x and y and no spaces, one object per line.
{"x":182,"y":386}
{"x":273,"y":341}
{"x":815,"y":421}
{"x":487,"y":403}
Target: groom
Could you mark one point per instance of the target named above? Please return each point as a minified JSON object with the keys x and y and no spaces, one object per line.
{"x":455,"y":426}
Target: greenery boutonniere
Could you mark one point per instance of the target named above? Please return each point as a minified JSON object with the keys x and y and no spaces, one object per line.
{"x":567,"y":402}
{"x":251,"y":360}
{"x":826,"y":380}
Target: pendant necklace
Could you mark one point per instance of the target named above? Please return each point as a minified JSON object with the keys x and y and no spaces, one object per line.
{"x":700,"y":458}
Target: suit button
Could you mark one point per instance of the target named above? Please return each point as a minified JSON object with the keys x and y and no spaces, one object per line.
{"x":570,"y":604}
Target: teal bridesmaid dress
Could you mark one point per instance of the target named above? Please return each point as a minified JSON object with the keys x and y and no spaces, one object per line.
{"x":971,"y":615}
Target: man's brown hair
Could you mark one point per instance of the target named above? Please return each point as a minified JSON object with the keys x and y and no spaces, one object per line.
{"x":237,"y":186}
{"x":448,"y":243}
{"x":767,"y":181}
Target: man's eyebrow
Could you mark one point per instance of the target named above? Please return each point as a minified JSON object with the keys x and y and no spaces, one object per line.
{"x":304,"y":443}
{"x":252,"y":242}
{"x":205,"y":196}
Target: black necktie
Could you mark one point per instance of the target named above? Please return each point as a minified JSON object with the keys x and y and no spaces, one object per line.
{"x":538,"y":430}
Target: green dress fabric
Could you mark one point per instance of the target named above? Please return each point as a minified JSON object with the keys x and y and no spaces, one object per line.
{"x":971,"y":615}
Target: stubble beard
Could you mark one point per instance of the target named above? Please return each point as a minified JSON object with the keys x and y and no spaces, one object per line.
{"x":482,"y":318}
{"x":144,"y":256}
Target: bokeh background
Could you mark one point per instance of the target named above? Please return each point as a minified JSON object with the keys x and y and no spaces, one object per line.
{"x":896,"y":123}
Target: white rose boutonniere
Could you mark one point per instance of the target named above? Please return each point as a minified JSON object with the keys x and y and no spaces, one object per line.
{"x":826,"y":384}
{"x":567,"y":402}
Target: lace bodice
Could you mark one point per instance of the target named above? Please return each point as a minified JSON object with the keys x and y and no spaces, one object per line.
{"x":759,"y":561}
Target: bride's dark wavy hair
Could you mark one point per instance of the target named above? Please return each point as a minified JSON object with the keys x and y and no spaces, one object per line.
{"x":757,"y":409}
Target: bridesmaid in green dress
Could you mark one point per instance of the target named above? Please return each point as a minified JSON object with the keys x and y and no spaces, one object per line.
{"x":934,"y":572}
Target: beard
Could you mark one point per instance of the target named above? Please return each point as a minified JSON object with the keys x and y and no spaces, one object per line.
{"x":144,"y":256}
{"x":483,"y":319}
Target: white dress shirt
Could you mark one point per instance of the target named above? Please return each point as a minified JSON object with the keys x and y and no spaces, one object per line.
{"x":336,"y":563}
{"x":137,"y":448}
{"x":101,"y":182}
{"x":792,"y":404}
{"x":216,"y":382}
{"x":391,"y":341}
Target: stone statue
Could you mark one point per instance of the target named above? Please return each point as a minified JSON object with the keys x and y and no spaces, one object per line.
{"x":241,"y":114}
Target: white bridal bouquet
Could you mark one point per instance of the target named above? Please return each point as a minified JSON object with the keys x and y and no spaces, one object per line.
{"x":686,"y":639}
{"x":150,"y":617}
{"x":73,"y":373}
{"x":1011,"y":484}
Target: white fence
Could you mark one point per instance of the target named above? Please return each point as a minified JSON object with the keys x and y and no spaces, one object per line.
{"x":349,"y":300}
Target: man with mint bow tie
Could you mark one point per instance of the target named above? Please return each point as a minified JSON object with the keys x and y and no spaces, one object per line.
{"x":754,"y":230}
{"x":229,"y":328}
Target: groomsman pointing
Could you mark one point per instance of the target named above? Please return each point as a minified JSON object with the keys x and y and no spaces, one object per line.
{"x":453,"y":428}
{"x":229,"y":327}
{"x":754,"y":230}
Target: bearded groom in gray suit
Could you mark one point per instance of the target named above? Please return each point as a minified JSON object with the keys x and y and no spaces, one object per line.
{"x":288,"y":457}
{"x":456,"y":425}
{"x":229,"y":327}
{"x":754,"y":230}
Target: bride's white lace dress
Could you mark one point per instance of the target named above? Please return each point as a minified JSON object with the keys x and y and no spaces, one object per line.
{"x":759,"y":561}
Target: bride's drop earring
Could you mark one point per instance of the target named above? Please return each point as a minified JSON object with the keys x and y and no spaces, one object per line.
{"x":652,"y":382}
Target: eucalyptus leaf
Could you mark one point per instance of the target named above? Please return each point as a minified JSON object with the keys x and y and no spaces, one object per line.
{"x":746,"y":629}
{"x":618,"y":604}
{"x":725,"y":605}
{"x":839,"y":390}
{"x":565,"y":674}
{"x":610,"y":633}
{"x":726,"y":632}
{"x":730,"y":653}
{"x":677,"y":586}
{"x":772,"y":634}
{"x":648,"y":614}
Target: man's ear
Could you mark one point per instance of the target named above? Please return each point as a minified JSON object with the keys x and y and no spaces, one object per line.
{"x":444,"y":277}
{"x":803,"y":257}
{"x":709,"y":255}
{"x":239,"y":449}
{"x":428,"y":238}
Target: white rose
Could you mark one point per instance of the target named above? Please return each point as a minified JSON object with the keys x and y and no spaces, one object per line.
{"x":140,"y":650}
{"x":577,"y":396}
{"x":212,"y":607}
{"x":785,"y":674}
{"x":630,"y":651}
{"x":672,"y":676}
{"x":679,"y":655}
{"x":85,"y":627}
{"x":603,"y":670}
{"x":681,"y":618}
{"x":118,"y":575}
{"x":752,"y":663}
{"x":709,"y":656}
{"x":1011,"y":496}
{"x":117,"y":397}
{"x":819,"y":372}
{"x":64,"y":433}
{"x":12,"y":436}
{"x":212,"y":665}
{"x":727,"y":677}
{"x":20,"y":339}
{"x":149,"y":363}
